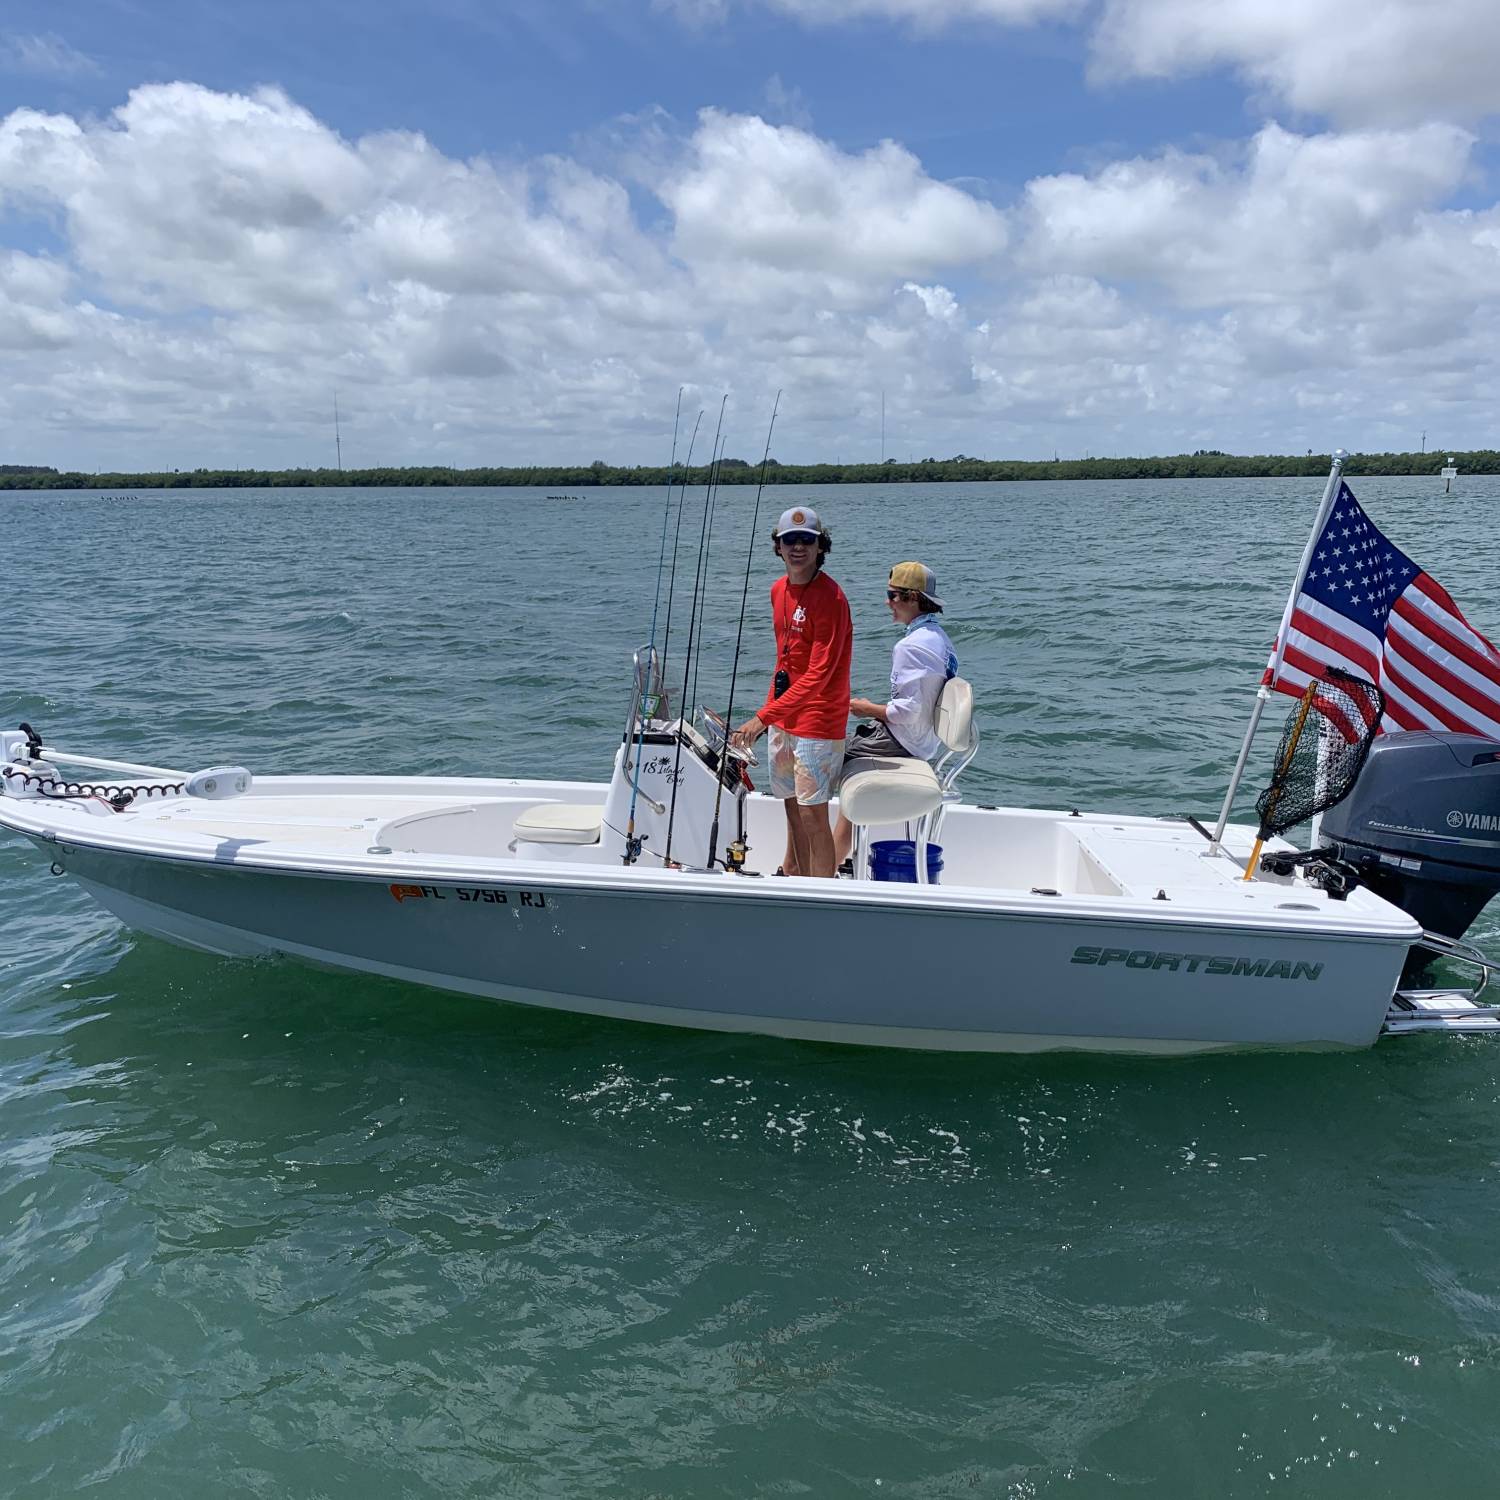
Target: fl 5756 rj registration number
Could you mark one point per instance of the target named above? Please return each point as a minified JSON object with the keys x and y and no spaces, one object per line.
{"x":482,"y":895}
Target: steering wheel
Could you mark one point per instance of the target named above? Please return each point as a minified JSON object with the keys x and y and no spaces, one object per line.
{"x":716,"y":732}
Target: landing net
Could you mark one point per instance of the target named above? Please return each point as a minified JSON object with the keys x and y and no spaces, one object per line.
{"x":1323,"y":748}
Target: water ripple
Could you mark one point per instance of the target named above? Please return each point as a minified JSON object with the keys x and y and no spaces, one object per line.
{"x":311,"y":1233}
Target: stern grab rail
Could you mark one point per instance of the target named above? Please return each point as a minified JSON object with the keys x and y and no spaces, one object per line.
{"x":1463,"y":953}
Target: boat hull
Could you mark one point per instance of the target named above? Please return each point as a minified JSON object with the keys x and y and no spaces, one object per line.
{"x":751,"y":956}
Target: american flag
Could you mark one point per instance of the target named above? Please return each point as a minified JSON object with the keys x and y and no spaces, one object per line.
{"x":1367,"y":607}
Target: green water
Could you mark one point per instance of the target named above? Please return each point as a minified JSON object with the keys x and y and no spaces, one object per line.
{"x":268,"y":1231}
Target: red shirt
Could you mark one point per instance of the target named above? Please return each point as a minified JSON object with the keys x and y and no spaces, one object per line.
{"x":814,"y":644}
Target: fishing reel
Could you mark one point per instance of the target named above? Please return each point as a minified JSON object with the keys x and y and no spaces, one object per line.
{"x":716,"y":732}
{"x":1321,"y":868}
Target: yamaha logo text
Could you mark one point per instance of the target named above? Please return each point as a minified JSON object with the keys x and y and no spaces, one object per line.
{"x":1477,"y":822}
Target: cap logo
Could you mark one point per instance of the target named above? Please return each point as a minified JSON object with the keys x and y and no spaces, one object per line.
{"x":798,"y":517}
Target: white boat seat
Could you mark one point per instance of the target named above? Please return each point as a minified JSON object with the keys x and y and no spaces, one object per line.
{"x":954,"y":716}
{"x":560,"y":823}
{"x":877,"y":790}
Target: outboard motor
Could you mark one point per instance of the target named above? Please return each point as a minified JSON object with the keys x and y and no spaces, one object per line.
{"x":1422,"y":826}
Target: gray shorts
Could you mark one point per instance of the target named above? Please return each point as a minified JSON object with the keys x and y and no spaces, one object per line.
{"x":871,"y":740}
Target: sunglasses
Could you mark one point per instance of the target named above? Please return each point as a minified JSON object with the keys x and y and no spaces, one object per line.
{"x":894,"y":594}
{"x":797,"y":538}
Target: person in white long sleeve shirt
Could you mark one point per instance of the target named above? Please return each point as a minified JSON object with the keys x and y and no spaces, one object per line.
{"x":922,"y":661}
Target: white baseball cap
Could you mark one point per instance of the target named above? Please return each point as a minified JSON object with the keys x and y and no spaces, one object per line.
{"x":798,"y":518}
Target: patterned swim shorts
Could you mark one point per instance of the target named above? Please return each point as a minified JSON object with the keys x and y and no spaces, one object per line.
{"x":805,"y":769}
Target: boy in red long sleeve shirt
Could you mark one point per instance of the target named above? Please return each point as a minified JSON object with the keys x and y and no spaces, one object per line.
{"x":807,"y":707}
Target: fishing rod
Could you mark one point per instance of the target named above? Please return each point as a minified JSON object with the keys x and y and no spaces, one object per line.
{"x":633,"y":844}
{"x":700,"y":578}
{"x":699,"y":607}
{"x":734,"y":854}
{"x":661,"y":556}
{"x":666,"y":639}
{"x":687,"y":660}
{"x":708,"y":547}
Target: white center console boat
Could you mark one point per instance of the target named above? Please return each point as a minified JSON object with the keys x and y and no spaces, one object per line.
{"x":653,"y":897}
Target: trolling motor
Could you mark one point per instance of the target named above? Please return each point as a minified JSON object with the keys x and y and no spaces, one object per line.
{"x":26,"y":774}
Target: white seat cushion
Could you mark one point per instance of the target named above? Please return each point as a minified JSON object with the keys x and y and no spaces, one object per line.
{"x":560,"y":823}
{"x":954,"y":720}
{"x":888,"y":791}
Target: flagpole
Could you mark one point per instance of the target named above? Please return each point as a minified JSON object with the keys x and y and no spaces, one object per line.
{"x":1264,"y":692}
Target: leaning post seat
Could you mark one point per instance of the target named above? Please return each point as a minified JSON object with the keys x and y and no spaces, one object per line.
{"x":954,"y":722}
{"x":888,"y":791}
{"x":560,"y":823}
{"x":877,"y":791}
{"x":954,"y":717}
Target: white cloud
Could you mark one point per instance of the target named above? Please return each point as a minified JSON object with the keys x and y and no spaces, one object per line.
{"x":1321,"y":274}
{"x":1282,"y":220}
{"x":1360,"y":62}
{"x":45,"y":56}
{"x":696,"y":13}
{"x":188,"y":197}
{"x":928,"y":15}
{"x":220,"y":263}
{"x":783,"y":200}
{"x":786,"y":104}
{"x":923,"y":15}
{"x":33,"y":308}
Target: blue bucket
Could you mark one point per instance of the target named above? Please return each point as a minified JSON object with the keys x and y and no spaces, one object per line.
{"x":896,"y":859}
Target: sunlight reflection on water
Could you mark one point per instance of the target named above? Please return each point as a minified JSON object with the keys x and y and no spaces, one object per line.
{"x":314,"y":1233}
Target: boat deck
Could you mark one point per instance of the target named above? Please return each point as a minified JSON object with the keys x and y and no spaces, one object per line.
{"x":1134,"y":860}
{"x":348,"y":824}
{"x":447,"y":829}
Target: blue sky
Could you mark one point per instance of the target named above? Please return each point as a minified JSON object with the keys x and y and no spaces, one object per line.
{"x":997,"y":106}
{"x":507,"y":232}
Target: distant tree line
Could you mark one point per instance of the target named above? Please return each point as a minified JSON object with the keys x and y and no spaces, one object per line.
{"x":1204,"y":464}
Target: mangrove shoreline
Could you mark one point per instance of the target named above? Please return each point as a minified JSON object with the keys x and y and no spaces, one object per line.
{"x":1201,"y":465}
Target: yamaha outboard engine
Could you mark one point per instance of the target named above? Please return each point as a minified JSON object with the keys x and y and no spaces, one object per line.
{"x":1422,"y":826}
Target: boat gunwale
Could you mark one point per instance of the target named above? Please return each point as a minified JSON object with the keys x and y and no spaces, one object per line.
{"x":954,"y":901}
